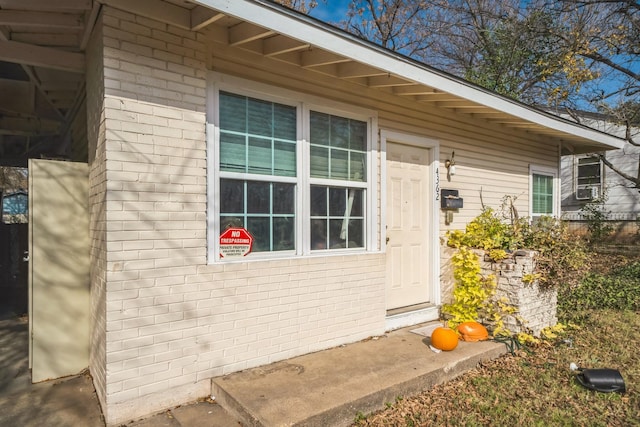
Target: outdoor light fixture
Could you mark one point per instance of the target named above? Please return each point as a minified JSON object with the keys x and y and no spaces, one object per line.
{"x":450,"y":164}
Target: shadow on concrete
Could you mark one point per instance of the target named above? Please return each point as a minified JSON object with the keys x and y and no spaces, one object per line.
{"x":69,"y":401}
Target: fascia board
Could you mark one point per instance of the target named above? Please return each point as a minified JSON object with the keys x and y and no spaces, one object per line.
{"x":342,"y":43}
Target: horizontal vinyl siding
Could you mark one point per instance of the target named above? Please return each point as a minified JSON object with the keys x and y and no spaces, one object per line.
{"x":490,"y":159}
{"x":621,"y":198}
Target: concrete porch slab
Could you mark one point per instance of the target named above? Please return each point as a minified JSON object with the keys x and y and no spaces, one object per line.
{"x":330,"y":387}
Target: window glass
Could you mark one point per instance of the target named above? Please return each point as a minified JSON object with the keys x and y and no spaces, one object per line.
{"x":233,"y":115}
{"x":257,"y":137}
{"x":589,"y":171}
{"x":542,"y":195}
{"x":336,"y":217}
{"x":267,"y":212}
{"x":338,"y":147}
{"x":232,"y":152}
{"x":259,"y":181}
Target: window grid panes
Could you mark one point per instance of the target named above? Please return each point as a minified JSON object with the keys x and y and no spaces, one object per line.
{"x":338,"y":147}
{"x":338,"y":152}
{"x":588,"y":178}
{"x":542,"y":195}
{"x":257,"y":137}
{"x":265,"y":209}
{"x":589,"y":172}
{"x":337,"y":217}
{"x":259,"y":180}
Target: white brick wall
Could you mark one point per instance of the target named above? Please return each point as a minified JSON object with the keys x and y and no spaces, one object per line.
{"x":172,"y":321}
{"x":97,"y":206}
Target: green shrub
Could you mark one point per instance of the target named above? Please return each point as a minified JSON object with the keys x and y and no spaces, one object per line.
{"x":618,"y":290}
{"x":562,"y":257}
{"x":596,"y":215}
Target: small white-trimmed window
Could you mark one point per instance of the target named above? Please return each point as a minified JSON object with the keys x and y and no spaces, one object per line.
{"x":543,"y":191}
{"x":291,"y":171}
{"x":588,"y":173}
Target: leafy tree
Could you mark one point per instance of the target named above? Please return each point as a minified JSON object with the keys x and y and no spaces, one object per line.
{"x":508,"y":46}
{"x":568,"y":55}
{"x":303,"y":6}
{"x":405,"y":26}
{"x":606,"y":38}
{"x":13,"y":179}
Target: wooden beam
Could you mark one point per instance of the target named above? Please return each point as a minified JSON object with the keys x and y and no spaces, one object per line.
{"x":462,"y":103}
{"x":202,"y":17}
{"x":159,"y":10}
{"x":17,"y":96}
{"x":278,"y":45}
{"x":41,"y":19}
{"x":289,"y":58}
{"x":413,"y":90}
{"x":89,"y":25}
{"x":28,"y":127}
{"x":245,"y":32}
{"x":487,"y":114}
{"x":437,"y":97}
{"x":387,"y":81}
{"x":23,"y":53}
{"x":317,"y":57}
{"x":328,"y":70}
{"x":70,"y":40}
{"x":39,"y":5}
{"x":217,"y":34}
{"x":357,"y":69}
{"x":32,"y":75}
{"x":512,"y":122}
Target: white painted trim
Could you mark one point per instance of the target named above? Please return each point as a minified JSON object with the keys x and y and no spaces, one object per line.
{"x":411,"y":318}
{"x":342,"y":43}
{"x":304,"y":103}
{"x":548,"y":171}
{"x":212,"y":135}
{"x":433,"y":145}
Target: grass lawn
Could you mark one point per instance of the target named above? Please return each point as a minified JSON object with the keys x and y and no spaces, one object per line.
{"x":534,"y":386}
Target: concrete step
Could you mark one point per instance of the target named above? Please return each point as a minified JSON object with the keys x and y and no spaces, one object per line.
{"x":329,"y":388}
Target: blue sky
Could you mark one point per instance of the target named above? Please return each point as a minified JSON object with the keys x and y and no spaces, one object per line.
{"x":334,"y":11}
{"x":331,"y":11}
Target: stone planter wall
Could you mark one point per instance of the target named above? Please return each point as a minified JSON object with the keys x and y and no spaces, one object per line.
{"x":536,"y":307}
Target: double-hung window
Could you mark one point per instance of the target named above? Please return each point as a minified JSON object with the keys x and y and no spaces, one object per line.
{"x":543,"y":192}
{"x":294,"y":175}
{"x":588,"y":178}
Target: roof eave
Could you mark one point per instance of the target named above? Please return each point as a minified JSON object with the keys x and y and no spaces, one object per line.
{"x":310,"y":30}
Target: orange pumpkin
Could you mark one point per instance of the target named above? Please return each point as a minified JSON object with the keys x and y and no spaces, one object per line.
{"x":472,"y":331}
{"x":444,"y":338}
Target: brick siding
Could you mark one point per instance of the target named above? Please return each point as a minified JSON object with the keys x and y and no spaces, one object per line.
{"x":171,"y":320}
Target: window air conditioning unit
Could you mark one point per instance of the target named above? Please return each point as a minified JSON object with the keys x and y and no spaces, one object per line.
{"x":587,"y":193}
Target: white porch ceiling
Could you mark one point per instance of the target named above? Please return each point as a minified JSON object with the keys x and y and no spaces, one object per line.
{"x":42,"y":63}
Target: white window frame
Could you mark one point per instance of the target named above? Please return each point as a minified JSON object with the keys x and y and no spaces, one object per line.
{"x":304,"y":104}
{"x":546,"y":171}
{"x":577,"y":186}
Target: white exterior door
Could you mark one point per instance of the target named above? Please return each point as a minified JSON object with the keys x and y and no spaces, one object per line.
{"x":409,"y":224}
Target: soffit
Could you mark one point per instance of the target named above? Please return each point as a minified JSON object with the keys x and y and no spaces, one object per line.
{"x":42,"y":66}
